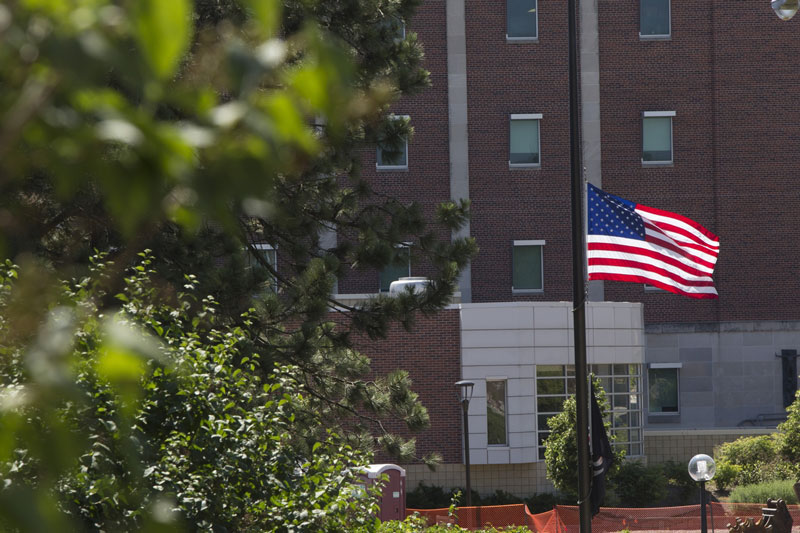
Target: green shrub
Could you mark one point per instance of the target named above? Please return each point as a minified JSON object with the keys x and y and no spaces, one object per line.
{"x":545,"y":501}
{"x":748,"y":450}
{"x":637,"y":485}
{"x":677,"y":476}
{"x":789,"y":445}
{"x":435,"y":497}
{"x":500,"y":497}
{"x":761,"y":492}
{"x":726,"y":475}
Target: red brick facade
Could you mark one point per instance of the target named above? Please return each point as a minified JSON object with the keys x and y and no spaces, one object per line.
{"x":431,"y":354}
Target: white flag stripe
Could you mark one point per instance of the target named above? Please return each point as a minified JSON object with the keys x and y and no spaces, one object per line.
{"x":649,"y":246}
{"x":620,"y":256}
{"x":681,"y":238}
{"x":712,"y":259}
{"x":652,"y":276}
{"x":681,"y":224}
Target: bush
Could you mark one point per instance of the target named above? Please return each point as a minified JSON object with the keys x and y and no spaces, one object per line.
{"x":637,"y":485}
{"x":435,"y":497}
{"x":677,"y":476}
{"x":761,"y":492}
{"x":789,"y":445}
{"x":752,"y":460}
{"x":545,"y":501}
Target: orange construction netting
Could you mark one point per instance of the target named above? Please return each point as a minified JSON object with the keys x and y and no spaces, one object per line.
{"x":564,"y":519}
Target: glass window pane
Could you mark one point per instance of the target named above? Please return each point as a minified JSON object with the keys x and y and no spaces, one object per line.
{"x":393,"y":157}
{"x":602,"y":370}
{"x":633,"y":416}
{"x":521,"y":18}
{"x":399,"y":268}
{"x":657,"y":139}
{"x":549,"y":405}
{"x":542,"y":421}
{"x":550,"y":386}
{"x":549,"y":370}
{"x":634,"y":385}
{"x":527,"y":267}
{"x":606,"y":384}
{"x":570,"y":370}
{"x":635,"y":449}
{"x":570,"y":385}
{"x":524,"y":142}
{"x":622,"y":435}
{"x":619,"y":401}
{"x":262,"y":273}
{"x":496,"y":411}
{"x":620,"y":370}
{"x":654,"y":17}
{"x":620,"y":384}
{"x":663,"y":390}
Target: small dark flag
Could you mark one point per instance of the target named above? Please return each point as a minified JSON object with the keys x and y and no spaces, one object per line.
{"x":602,"y":456}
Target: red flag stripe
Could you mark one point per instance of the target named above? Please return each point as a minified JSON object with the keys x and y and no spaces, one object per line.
{"x":687,"y":250}
{"x":701,"y":232}
{"x":683,"y":272}
{"x":679,"y":237}
{"x":638,"y":278}
{"x":646,"y":267}
{"x":649,"y":249}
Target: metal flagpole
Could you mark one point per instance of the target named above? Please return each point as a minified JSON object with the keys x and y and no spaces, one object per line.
{"x":578,"y":283}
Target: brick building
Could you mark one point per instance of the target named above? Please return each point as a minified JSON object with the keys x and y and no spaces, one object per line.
{"x":685,"y":106}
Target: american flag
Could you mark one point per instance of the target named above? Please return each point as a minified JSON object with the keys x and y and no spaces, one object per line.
{"x":631,"y":242}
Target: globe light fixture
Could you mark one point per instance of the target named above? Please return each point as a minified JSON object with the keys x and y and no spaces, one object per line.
{"x":702,"y":468}
{"x":785,"y":9}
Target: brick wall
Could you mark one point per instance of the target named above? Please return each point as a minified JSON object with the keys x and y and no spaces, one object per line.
{"x":517,"y":77}
{"x":431,"y":353}
{"x":427,"y":180}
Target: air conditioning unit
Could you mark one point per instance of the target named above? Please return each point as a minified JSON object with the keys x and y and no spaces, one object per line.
{"x":417,"y":285}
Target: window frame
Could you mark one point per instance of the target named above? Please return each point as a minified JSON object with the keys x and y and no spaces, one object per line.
{"x":503,"y":380}
{"x":541,"y":244}
{"x":656,"y":36}
{"x":665,"y":366}
{"x":407,"y":247}
{"x":660,"y":114}
{"x":526,"y":117}
{"x":528,"y":38}
{"x":378,"y":149}
{"x":274,"y":264}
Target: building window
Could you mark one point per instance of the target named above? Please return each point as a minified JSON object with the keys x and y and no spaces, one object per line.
{"x":266,"y":254}
{"x":657,"y":137}
{"x":496,"y":412}
{"x":393,"y":156}
{"x":662,"y":383}
{"x":399,"y":267}
{"x":654,"y":19}
{"x":554,"y":383}
{"x":527,"y":266}
{"x":521,"y":20}
{"x":524,"y":140}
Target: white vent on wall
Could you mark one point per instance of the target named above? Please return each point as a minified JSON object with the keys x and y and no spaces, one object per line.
{"x":417,"y":285}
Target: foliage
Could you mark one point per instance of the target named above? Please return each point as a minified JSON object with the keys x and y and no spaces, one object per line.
{"x":426,"y":496}
{"x":677,"y":476}
{"x":761,"y":492}
{"x":789,"y":445}
{"x":156,"y":416}
{"x":561,"y":450}
{"x":639,"y":485}
{"x":203,"y":130}
{"x":749,"y":460}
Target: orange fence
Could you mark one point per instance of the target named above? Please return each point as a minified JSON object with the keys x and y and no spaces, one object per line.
{"x":564,"y":519}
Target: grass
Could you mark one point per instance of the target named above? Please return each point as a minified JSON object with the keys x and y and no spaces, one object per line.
{"x":761,"y":492}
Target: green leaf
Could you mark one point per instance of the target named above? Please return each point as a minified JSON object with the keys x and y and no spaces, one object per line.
{"x":163,"y":30}
{"x":267,"y":13}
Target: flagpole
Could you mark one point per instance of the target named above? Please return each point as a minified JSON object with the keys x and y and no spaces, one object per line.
{"x":578,"y":282}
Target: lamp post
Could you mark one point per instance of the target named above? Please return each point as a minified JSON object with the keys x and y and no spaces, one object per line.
{"x":702,"y":468}
{"x":785,"y":9}
{"x":465,"y":395}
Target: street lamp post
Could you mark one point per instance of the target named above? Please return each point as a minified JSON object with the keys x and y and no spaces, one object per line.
{"x":702,"y":468}
{"x":465,"y":395}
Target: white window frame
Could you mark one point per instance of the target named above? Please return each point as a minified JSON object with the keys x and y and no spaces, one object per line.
{"x":378,"y":166}
{"x":660,"y":114}
{"x":504,"y":379}
{"x":407,"y":246}
{"x":524,"y":39}
{"x":658,"y":36}
{"x":266,"y":246}
{"x":660,"y":366}
{"x":541,"y":243}
{"x":526,"y":116}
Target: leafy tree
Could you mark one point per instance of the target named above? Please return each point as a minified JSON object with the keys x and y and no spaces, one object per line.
{"x":561,"y":449}
{"x":153,"y":417}
{"x":789,"y":442}
{"x":198,"y":130}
